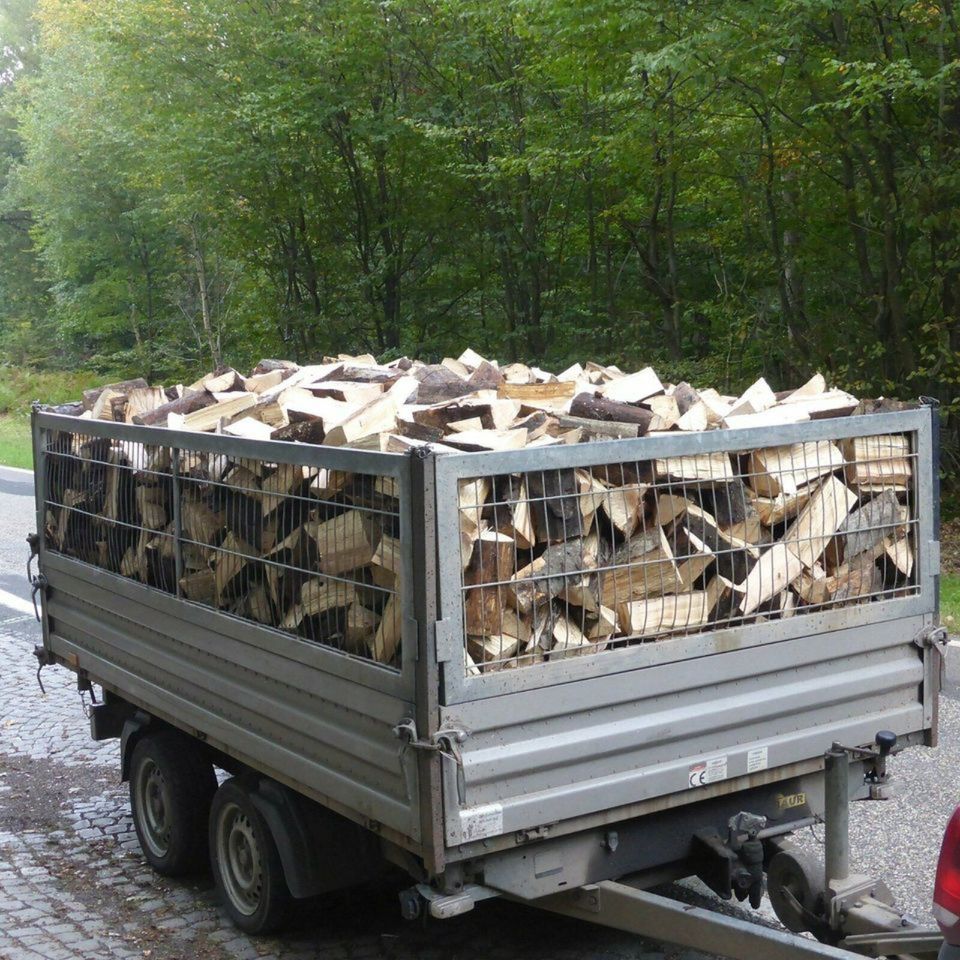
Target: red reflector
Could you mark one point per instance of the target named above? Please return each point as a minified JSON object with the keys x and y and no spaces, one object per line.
{"x":946,"y":890}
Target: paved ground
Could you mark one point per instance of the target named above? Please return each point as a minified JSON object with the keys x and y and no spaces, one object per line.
{"x":73,"y":885}
{"x":72,"y":881}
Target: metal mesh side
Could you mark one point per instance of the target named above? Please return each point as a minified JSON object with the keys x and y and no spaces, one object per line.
{"x":311,"y":551}
{"x":572,"y":562}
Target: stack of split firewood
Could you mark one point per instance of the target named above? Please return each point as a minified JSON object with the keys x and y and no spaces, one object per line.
{"x":555,"y":563}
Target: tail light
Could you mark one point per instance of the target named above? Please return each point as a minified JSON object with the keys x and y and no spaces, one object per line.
{"x":946,"y":890}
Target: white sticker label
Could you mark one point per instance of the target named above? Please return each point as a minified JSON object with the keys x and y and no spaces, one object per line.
{"x":757,"y":759}
{"x":708,"y":771}
{"x":478,"y":823}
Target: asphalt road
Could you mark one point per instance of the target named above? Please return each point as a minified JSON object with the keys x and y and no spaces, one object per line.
{"x":66,"y":841}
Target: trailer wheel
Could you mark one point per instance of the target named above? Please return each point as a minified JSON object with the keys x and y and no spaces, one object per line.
{"x":796,"y":887}
{"x":246,"y":865}
{"x":171,"y":786}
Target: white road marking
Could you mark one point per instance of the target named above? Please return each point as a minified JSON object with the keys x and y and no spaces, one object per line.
{"x":12,"y":602}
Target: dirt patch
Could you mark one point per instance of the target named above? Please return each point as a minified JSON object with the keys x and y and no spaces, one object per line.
{"x":32,"y":792}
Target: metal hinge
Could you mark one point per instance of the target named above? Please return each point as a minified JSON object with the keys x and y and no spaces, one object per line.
{"x":932,"y":637}
{"x":446,"y":741}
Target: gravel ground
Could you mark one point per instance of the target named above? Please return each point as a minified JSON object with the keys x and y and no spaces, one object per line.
{"x":73,"y":884}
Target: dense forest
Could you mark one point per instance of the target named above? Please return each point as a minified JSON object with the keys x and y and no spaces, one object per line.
{"x":719,"y":188}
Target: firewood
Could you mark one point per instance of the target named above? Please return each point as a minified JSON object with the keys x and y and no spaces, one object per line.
{"x":696,"y":418}
{"x":208,"y":417}
{"x":151,"y":507}
{"x":373,"y":417}
{"x":512,"y":511}
{"x":878,"y":462}
{"x":299,"y":404}
{"x":570,"y":641}
{"x":642,"y":567}
{"x":533,"y":392}
{"x":437,"y":383}
{"x":249,"y":428}
{"x":830,"y":403}
{"x":668,"y":614}
{"x":473,"y":496}
{"x":493,"y":648}
{"x":200,"y":523}
{"x":572,"y":373}
{"x":121,"y":388}
{"x":590,"y":407}
{"x":621,"y":505}
{"x":200,"y":586}
{"x":815,"y":526}
{"x":755,"y":399}
{"x":545,"y":577}
{"x":487,"y":574}
{"x":555,"y":505}
{"x":779,"y":416}
{"x":142,"y":400}
{"x":287,"y":478}
{"x":190,"y":402}
{"x":900,"y":553}
{"x":599,"y":429}
{"x":776,"y":567}
{"x":318,"y":595}
{"x":386,"y":640}
{"x":231,"y":557}
{"x":697,"y":467}
{"x":865,"y":527}
{"x":734,"y":556}
{"x":666,"y":412}
{"x":344,"y":543}
{"x":773,"y":510}
{"x":633,"y":388}
{"x":488,"y":439}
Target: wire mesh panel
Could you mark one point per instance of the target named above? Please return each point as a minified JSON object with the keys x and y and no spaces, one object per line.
{"x":573,"y":561}
{"x":312,"y":551}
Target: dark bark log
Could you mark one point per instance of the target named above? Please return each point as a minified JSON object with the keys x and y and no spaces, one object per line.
{"x":190,"y":402}
{"x":598,"y":408}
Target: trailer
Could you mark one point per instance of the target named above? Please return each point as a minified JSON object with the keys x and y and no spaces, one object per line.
{"x":573,"y":781}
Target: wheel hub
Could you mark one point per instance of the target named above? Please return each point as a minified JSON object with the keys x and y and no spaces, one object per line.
{"x":238,"y":853}
{"x":153,"y":808}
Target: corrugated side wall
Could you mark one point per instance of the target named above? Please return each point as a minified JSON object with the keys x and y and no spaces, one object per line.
{"x":542,"y":756}
{"x":311,"y":717}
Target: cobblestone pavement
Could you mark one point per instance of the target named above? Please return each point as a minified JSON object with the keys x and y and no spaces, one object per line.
{"x":73,"y":884}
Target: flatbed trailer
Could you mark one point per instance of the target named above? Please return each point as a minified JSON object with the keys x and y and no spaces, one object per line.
{"x":572,"y":783}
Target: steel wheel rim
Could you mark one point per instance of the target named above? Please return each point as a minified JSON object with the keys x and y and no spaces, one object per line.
{"x":153,"y":808}
{"x":239,"y":860}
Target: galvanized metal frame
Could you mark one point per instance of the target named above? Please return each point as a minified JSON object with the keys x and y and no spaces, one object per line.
{"x":451,"y":468}
{"x":396,"y":466}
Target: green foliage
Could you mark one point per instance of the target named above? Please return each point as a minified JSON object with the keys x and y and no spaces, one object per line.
{"x":950,"y":601}
{"x":720,"y":189}
{"x":15,"y":446}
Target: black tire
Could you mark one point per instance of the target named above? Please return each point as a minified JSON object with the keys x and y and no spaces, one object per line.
{"x":172,"y":785}
{"x":245,"y":862}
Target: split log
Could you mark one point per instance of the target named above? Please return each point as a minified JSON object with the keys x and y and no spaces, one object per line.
{"x":825,"y":513}
{"x":545,"y":577}
{"x":642,"y":567}
{"x":633,"y":388}
{"x":878,"y":463}
{"x":776,"y":567}
{"x":190,"y":402}
{"x":590,"y":407}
